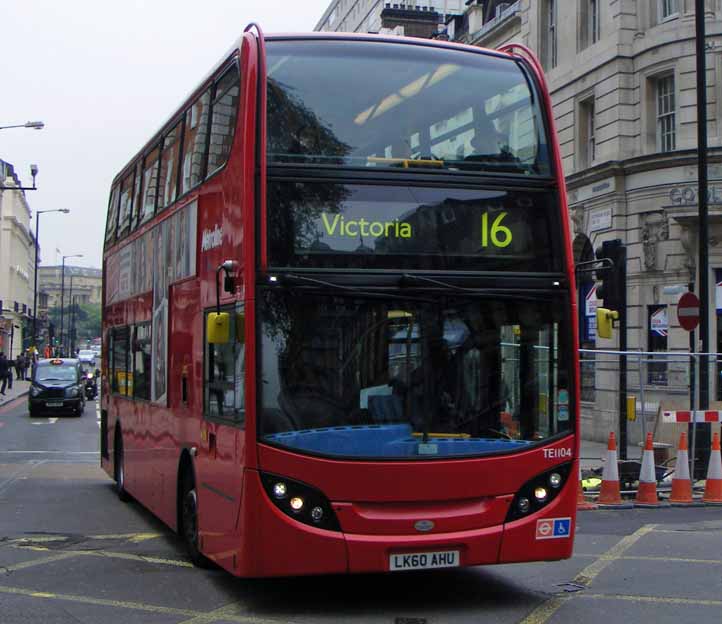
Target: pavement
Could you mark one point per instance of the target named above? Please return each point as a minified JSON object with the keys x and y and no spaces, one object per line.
{"x":20,"y":388}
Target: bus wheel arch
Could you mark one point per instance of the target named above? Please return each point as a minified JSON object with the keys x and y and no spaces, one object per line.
{"x":119,"y":466}
{"x":187,"y":510}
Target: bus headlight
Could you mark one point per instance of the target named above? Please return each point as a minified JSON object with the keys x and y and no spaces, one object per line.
{"x":280,"y":490}
{"x":538,"y":492}
{"x":300,"y":501}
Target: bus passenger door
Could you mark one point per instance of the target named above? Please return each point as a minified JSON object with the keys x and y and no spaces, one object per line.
{"x":220,"y":462}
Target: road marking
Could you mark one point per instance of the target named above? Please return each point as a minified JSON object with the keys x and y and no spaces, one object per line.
{"x":548,"y":608}
{"x":16,"y":476}
{"x":654,"y":599}
{"x":229,"y":612}
{"x":50,"y":452}
{"x":46,"y":421}
{"x":137,"y":606}
{"x":665,"y":559}
{"x":133,"y":537}
{"x":114,"y":555}
{"x":36,"y":562}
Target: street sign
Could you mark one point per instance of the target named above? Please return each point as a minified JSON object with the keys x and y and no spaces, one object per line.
{"x":688,"y":311}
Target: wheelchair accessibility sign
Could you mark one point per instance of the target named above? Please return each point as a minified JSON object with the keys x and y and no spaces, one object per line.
{"x":553,"y":528}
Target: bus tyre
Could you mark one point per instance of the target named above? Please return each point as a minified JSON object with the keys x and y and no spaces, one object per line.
{"x":119,"y":469}
{"x":189,"y":524}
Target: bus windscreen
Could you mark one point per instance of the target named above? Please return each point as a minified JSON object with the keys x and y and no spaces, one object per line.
{"x":418,"y":378}
{"x":387,"y":105}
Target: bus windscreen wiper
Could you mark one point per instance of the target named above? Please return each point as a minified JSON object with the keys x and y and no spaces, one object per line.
{"x":287,"y":279}
{"x":512,"y":293}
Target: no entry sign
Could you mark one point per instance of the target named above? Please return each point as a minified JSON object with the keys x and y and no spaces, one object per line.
{"x":688,"y":311}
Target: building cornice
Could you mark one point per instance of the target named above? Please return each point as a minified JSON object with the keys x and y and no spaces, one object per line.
{"x":639,"y":164}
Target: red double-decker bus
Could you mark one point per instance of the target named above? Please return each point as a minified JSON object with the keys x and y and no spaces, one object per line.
{"x":339,"y":312}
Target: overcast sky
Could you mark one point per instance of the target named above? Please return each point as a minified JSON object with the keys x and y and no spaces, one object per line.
{"x":103,"y":75}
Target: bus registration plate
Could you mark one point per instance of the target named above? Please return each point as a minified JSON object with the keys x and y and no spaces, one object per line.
{"x":425,"y":560}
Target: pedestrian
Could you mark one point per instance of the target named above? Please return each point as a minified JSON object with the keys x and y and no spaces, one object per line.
{"x":19,"y":367}
{"x":9,"y":374}
{"x":4,"y":370}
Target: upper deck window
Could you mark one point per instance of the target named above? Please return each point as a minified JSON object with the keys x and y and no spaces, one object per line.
{"x":150,"y":184}
{"x":169,"y":167}
{"x":223,"y":119}
{"x":385,"y":105}
{"x":112,"y":218}
{"x":194,"y":142}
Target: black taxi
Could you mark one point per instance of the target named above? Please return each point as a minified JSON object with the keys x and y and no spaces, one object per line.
{"x":57,"y":387}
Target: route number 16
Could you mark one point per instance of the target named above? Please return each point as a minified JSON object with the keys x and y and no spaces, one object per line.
{"x":500,"y":234}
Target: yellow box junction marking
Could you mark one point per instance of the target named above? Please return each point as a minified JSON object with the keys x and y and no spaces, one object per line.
{"x":548,"y":608}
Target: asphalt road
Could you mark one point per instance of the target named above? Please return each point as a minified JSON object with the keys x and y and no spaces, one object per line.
{"x":71,"y":552}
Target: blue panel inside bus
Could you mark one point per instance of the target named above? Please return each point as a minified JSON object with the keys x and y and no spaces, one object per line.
{"x":392,"y":441}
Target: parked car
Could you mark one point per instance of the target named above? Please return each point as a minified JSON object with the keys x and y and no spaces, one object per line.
{"x":57,"y":386}
{"x":87,"y":355}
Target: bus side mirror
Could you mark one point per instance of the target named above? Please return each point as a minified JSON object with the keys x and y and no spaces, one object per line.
{"x":241,"y":328}
{"x":218,"y":328}
{"x":605,"y":322}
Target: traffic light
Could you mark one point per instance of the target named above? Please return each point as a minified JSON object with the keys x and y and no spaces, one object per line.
{"x":613,"y":278}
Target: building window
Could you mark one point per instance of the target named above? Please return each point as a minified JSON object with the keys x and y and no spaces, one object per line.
{"x":668,"y":9}
{"x":550,"y":33}
{"x":666,"y":116}
{"x":589,"y":22}
{"x":587,"y":137}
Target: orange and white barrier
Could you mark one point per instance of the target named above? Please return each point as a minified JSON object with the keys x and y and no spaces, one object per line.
{"x":713,"y":485}
{"x":686,"y":416}
{"x":582,"y":503}
{"x":647,"y":490}
{"x":609,"y":492}
{"x":681,"y":482}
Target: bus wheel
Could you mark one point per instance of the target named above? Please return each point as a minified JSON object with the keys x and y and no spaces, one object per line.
{"x":120,"y":469}
{"x":189,"y":524}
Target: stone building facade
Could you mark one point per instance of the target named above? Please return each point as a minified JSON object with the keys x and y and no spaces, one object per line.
{"x":623,"y":84}
{"x":17,"y":262}
{"x":366,"y":15}
{"x":86,"y":283}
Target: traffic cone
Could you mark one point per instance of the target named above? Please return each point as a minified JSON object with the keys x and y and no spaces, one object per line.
{"x":647,"y":490}
{"x":681,"y":482}
{"x":581,"y":502}
{"x":713,"y":485}
{"x":609,"y":493}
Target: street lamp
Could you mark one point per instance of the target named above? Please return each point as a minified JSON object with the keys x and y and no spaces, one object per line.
{"x":62,"y":298}
{"x":37,"y":125}
{"x":35,"y":287}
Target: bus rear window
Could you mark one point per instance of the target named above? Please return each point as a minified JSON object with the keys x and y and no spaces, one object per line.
{"x":386,"y":105}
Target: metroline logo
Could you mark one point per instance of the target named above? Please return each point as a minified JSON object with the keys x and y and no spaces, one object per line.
{"x":212,"y":238}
